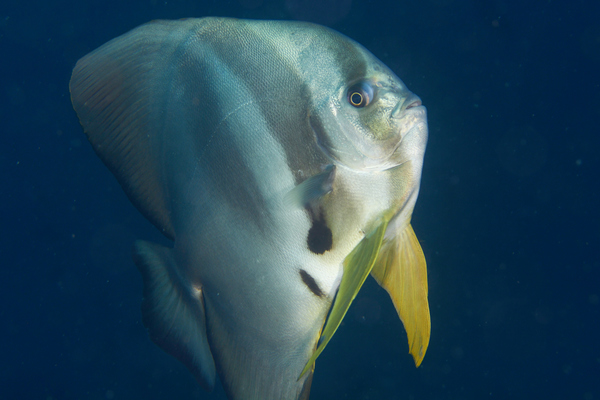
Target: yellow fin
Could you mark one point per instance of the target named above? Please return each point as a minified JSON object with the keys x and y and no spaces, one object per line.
{"x":402,"y":271}
{"x":357,"y":266}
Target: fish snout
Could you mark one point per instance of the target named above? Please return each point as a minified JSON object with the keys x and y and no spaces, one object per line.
{"x":406,"y":103}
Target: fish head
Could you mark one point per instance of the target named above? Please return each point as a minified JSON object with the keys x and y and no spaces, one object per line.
{"x":364,"y":117}
{"x":368,"y":123}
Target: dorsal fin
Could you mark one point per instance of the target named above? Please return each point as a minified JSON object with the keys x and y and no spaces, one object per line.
{"x":114,"y":91}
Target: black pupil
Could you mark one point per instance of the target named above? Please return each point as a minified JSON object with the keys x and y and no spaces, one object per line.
{"x":356,"y":98}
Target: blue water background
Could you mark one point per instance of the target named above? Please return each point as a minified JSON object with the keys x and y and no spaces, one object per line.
{"x":507,"y":215}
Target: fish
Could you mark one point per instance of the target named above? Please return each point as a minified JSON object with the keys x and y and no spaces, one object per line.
{"x":283,"y":161}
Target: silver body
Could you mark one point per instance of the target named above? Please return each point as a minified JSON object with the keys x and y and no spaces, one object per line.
{"x":208,"y":125}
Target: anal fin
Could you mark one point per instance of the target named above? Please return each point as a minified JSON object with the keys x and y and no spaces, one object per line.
{"x":402,"y":271}
{"x":173,"y":311}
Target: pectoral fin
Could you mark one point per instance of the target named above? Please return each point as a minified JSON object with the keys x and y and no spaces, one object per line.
{"x":173,"y":314}
{"x":357,"y":266}
{"x":311,"y":189}
{"x":401,"y":270}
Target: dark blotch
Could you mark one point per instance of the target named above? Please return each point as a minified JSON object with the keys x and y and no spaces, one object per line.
{"x":319,"y":238}
{"x":310,"y":282}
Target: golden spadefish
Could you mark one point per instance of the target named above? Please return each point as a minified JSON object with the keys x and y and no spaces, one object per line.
{"x":280,"y":194}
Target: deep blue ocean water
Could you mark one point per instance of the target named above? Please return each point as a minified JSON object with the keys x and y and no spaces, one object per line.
{"x":507,"y":216}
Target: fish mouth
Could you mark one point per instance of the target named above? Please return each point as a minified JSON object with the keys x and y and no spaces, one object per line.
{"x":413,"y":113}
{"x":415,"y":103}
{"x":405,"y":104}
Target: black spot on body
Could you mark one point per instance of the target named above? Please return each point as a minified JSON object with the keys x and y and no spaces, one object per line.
{"x":310,"y":282}
{"x":319,"y":238}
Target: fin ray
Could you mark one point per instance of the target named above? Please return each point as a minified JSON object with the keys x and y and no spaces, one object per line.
{"x":114,"y":91}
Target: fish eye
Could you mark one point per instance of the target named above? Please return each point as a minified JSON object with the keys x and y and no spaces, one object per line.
{"x":360,"y":94}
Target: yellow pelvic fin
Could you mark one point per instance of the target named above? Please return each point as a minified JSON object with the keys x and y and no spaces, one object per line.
{"x":402,"y":271}
{"x":357,"y":266}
